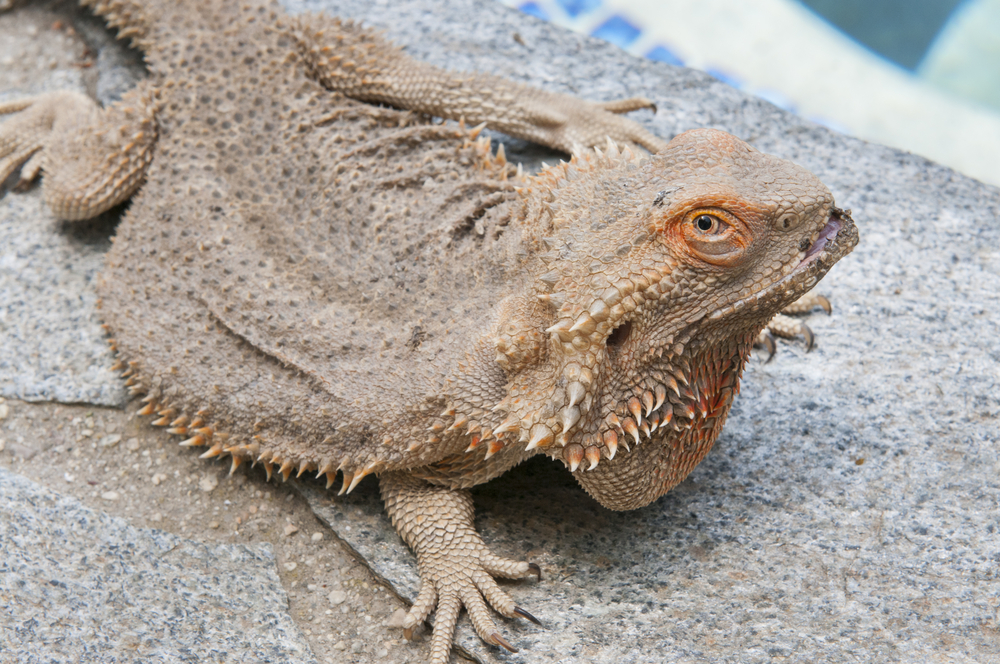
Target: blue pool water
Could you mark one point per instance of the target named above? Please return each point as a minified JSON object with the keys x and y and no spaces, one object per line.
{"x":953,"y":45}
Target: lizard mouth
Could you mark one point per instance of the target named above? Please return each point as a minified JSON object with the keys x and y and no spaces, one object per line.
{"x":829,"y":232}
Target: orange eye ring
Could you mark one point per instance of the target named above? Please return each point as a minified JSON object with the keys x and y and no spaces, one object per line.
{"x":715,"y":236}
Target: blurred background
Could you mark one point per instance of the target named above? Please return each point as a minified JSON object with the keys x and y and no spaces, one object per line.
{"x":921,"y":75}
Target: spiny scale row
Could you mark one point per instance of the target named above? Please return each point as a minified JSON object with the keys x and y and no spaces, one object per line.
{"x":640,"y":416}
{"x":199,"y":433}
{"x":486,"y":157}
{"x":675,"y":397}
{"x":478,"y":434}
{"x":647,"y":411}
{"x":123,"y":16}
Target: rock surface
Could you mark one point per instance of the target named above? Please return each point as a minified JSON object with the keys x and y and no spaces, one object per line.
{"x":77,"y":585}
{"x":850,"y":510}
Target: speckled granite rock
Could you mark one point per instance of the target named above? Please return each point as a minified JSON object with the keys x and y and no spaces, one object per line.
{"x":80,"y":586}
{"x":52,"y":347}
{"x":850,"y":511}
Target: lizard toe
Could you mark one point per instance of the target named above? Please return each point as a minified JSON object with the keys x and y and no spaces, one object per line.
{"x":807,"y":303}
{"x":498,"y":599}
{"x":445,"y":619}
{"x":506,"y":568}
{"x":789,"y":328}
{"x":426,"y":600}
{"x":628,"y":105}
{"x":479,"y":614}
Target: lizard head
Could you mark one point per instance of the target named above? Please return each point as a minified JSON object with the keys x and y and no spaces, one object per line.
{"x":623,"y":357}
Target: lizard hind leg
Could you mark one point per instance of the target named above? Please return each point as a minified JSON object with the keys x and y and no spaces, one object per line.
{"x":456,"y":567}
{"x":92,"y":158}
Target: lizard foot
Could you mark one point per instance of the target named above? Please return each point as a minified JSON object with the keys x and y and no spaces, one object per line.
{"x":786,"y":327}
{"x":574,"y":125}
{"x":24,"y":135}
{"x":456,"y":567}
{"x":92,"y":158}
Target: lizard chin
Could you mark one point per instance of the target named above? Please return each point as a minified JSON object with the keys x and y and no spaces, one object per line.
{"x":666,"y":427}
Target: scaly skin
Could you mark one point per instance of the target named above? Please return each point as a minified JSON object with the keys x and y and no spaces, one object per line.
{"x":320,"y":285}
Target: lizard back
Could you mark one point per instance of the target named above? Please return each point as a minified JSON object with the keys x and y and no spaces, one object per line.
{"x":294,"y":254}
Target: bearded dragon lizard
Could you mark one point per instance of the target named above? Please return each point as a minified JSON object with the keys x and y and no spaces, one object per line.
{"x":315,"y":276}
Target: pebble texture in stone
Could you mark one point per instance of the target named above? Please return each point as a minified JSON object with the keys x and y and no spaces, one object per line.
{"x":81,"y":586}
{"x":52,"y":347}
{"x":849,"y":512}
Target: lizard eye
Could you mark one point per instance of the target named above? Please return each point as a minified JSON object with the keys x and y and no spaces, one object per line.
{"x":715,"y":236}
{"x":707,"y":223}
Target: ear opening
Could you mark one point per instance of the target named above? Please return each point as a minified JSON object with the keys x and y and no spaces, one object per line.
{"x":619,"y":335}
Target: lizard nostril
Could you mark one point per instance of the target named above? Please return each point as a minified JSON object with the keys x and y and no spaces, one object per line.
{"x":619,"y":335}
{"x":788,"y":222}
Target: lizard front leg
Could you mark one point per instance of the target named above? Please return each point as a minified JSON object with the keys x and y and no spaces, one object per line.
{"x":93,"y":158}
{"x":456,"y":567}
{"x":359,"y":63}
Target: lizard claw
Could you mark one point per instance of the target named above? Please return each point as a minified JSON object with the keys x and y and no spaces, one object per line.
{"x":524,"y":614}
{"x":500,"y":641}
{"x":805,"y":331}
{"x":766,"y":340}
